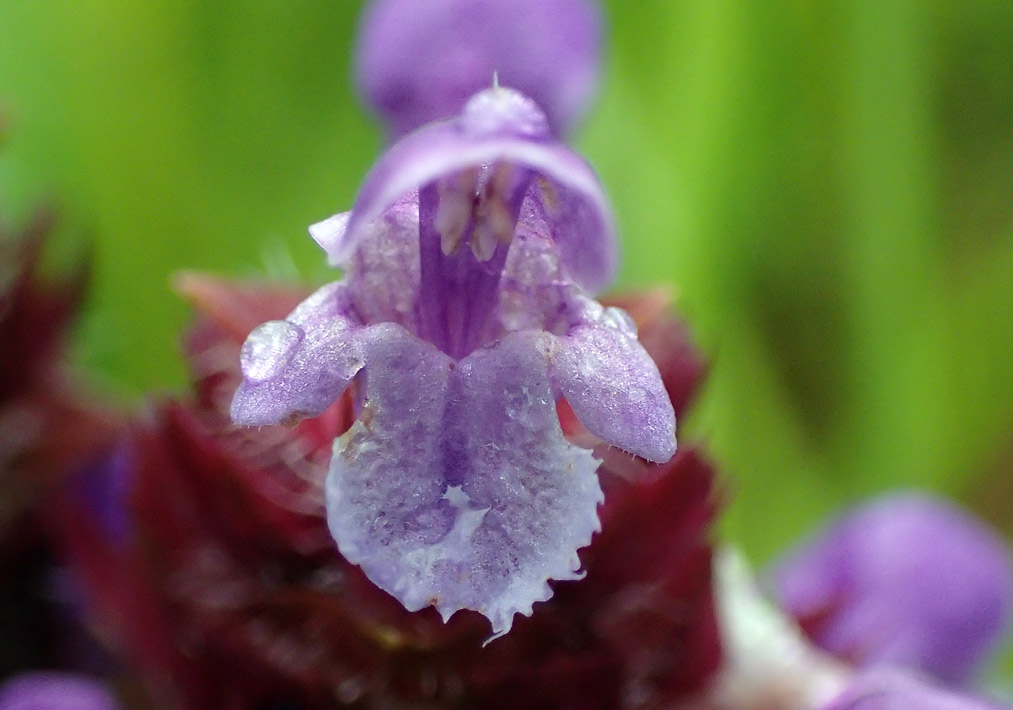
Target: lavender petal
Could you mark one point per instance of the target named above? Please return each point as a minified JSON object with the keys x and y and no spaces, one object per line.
{"x":298,"y":367}
{"x":613,"y":385}
{"x":497,"y":126}
{"x":456,"y":487}
{"x":50,"y":690}
{"x":895,"y":690}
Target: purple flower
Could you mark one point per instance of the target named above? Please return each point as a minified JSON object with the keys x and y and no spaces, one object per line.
{"x":907,"y":580}
{"x":230,"y":593}
{"x":421,"y":61}
{"x":462,"y":321}
{"x":55,"y":691}
{"x":768,"y":663}
{"x":894,"y":690}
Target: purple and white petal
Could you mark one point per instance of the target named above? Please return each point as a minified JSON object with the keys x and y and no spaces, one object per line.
{"x":613,"y":385}
{"x":534,"y":291}
{"x":906,"y":580}
{"x":299,"y":366}
{"x":419,"y":62}
{"x":456,"y":487}
{"x":497,"y":126}
{"x":330,"y":232}
{"x":383,"y":274}
{"x":767,"y":663}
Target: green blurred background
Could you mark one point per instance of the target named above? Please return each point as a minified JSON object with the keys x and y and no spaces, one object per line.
{"x":827,"y":185}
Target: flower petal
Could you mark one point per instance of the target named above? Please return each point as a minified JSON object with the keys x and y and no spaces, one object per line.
{"x":566,"y":189}
{"x":613,"y":385}
{"x":384,"y":272}
{"x":297,"y":367}
{"x":456,"y":487}
{"x":330,"y":232}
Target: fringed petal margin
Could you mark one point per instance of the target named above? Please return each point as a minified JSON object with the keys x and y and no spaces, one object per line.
{"x":456,"y":487}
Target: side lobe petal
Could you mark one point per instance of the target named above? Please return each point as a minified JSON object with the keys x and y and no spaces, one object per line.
{"x":297,"y":367}
{"x":456,"y":487}
{"x":613,"y":385}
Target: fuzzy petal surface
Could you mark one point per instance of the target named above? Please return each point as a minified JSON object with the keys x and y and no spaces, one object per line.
{"x":613,"y":385}
{"x":298,"y":366}
{"x":55,"y":691}
{"x":456,"y":487}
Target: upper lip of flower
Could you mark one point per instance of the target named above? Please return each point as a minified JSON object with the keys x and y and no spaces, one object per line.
{"x":572,"y":199}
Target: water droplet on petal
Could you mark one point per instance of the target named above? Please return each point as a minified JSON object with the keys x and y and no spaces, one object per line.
{"x":269,"y":349}
{"x":621,"y":320}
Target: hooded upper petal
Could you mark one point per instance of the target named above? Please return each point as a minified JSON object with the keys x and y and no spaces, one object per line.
{"x":456,"y":487}
{"x":498,"y":126}
{"x":419,"y":62}
{"x":907,"y":579}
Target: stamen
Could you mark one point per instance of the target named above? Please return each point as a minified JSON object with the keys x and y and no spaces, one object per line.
{"x":494,"y":220}
{"x":454,"y":210}
{"x":483,"y":242}
{"x":550,"y":197}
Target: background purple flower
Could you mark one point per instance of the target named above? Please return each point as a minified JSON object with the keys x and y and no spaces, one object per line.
{"x":55,"y":691}
{"x":908,"y":580}
{"x":420,"y":60}
{"x":894,"y":690}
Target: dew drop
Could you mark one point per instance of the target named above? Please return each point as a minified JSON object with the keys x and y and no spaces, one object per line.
{"x":269,"y":349}
{"x":621,"y":320}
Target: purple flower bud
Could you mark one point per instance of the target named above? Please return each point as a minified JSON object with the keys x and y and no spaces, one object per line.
{"x":894,"y":690}
{"x":421,"y":61}
{"x":907,"y":580}
{"x":55,"y":691}
{"x":462,"y":320}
